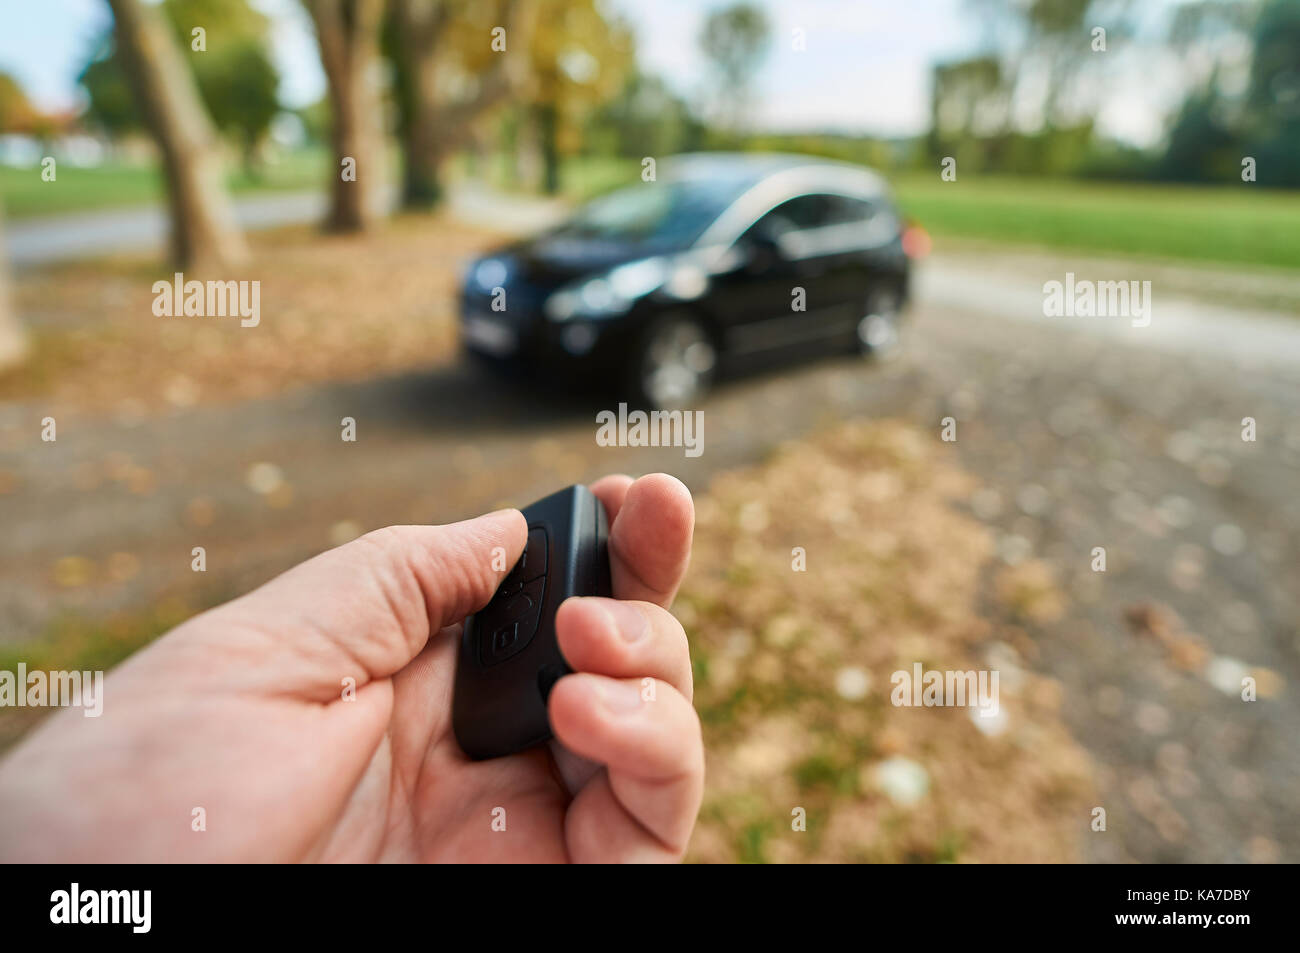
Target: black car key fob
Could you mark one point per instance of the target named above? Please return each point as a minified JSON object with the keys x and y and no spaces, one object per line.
{"x":509,"y":658}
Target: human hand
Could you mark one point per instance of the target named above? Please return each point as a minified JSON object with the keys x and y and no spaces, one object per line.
{"x":241,"y":712}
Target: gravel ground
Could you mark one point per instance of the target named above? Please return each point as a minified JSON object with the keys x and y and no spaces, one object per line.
{"x":1130,"y":439}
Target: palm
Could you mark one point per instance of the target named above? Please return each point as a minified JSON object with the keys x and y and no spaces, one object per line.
{"x":432,"y":804}
{"x":428,"y":803}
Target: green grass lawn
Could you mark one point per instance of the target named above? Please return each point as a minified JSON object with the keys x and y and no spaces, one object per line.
{"x":116,"y":184}
{"x":1234,"y":224}
{"x":583,"y":177}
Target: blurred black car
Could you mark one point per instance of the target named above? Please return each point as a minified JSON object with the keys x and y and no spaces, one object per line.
{"x":658,"y":286}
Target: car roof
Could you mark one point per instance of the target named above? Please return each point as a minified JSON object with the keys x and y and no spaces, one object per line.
{"x":742,"y":170}
{"x":756,"y":182}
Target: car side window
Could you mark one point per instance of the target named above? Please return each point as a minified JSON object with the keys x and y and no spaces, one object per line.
{"x":794,"y":215}
{"x":821,"y":223}
{"x":844,"y":210}
{"x":808,"y":212}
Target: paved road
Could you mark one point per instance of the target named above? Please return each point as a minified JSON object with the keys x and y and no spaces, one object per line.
{"x":138,"y":228}
{"x":1085,"y":433}
{"x":144,"y":228}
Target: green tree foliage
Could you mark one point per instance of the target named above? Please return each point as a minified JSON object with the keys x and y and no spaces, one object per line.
{"x":1273,"y":102}
{"x":968,"y":101}
{"x":236,"y":79}
{"x":1203,"y":146}
{"x":447,"y":75}
{"x":112,"y":106}
{"x":645,"y":119}
{"x":970,"y":121}
{"x":16,"y":113}
{"x":578,"y":59}
{"x":1214,"y":130}
{"x":735,"y":40}
{"x":239,"y":87}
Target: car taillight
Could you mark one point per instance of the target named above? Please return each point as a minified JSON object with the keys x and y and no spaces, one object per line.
{"x":916,"y":242}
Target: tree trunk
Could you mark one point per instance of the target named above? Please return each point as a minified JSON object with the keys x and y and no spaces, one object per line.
{"x":348,"y":33}
{"x":203,"y":230}
{"x":252,"y":158}
{"x":435,"y":128}
{"x":422,"y":169}
{"x":421,"y":150}
{"x":13,"y":340}
{"x":528,"y":151}
{"x":548,"y":129}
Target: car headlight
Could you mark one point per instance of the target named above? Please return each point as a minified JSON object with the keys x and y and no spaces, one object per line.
{"x":607,"y":295}
{"x":490,"y":273}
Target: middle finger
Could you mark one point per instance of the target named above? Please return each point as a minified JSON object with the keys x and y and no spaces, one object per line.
{"x":624,"y":639}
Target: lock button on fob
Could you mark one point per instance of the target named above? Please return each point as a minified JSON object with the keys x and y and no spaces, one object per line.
{"x":531,"y":564}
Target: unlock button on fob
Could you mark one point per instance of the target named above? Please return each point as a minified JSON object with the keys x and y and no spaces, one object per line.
{"x":509,"y":622}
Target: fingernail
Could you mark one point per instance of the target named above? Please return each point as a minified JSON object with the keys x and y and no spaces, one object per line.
{"x":629,"y":621}
{"x":620,"y":697}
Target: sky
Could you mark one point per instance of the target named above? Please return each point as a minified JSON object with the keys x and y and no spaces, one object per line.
{"x":865,"y":68}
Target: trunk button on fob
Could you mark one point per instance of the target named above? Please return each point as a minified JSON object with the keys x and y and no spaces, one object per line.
{"x":503,"y":639}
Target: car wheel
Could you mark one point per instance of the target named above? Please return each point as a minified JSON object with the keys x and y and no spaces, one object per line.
{"x":675,"y":364}
{"x":878,"y":331}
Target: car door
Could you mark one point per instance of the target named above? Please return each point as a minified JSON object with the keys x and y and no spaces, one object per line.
{"x":847,"y":255}
{"x":774,"y":293}
{"x":842,"y":246}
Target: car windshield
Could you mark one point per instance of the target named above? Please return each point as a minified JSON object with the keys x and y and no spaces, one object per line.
{"x":665,"y":215}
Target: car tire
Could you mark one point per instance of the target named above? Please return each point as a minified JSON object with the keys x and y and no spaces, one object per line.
{"x":674,"y":363}
{"x":879,"y":331}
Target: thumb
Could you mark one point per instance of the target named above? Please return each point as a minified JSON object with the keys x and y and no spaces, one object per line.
{"x":366,"y":608}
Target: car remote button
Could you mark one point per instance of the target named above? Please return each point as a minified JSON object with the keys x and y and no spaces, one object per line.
{"x":509,"y":654}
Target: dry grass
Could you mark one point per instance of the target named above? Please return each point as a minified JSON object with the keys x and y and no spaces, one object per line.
{"x":332,"y":308}
{"x":793,"y":668}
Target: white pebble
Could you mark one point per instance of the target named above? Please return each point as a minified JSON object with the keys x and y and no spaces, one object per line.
{"x":1228,"y":539}
{"x":264,"y":478}
{"x":852,"y":683}
{"x":902,"y":781}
